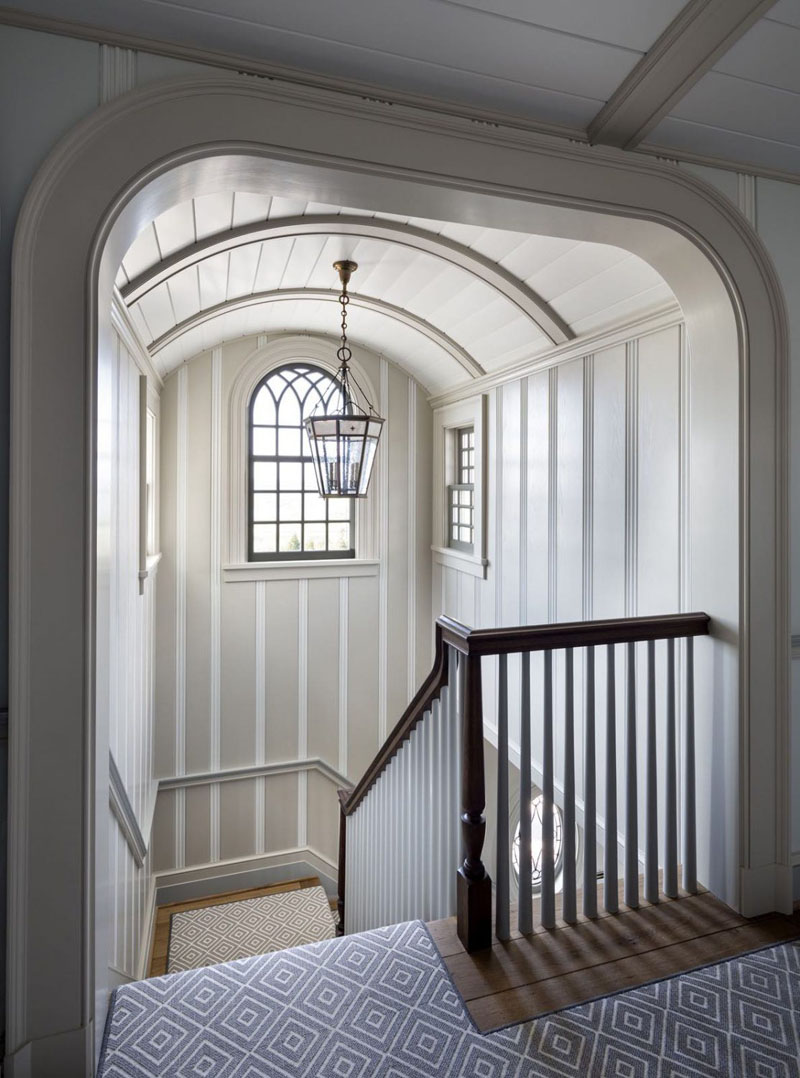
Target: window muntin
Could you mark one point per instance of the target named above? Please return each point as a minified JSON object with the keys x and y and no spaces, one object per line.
{"x":537,"y":809}
{"x":287,"y":518}
{"x":461,"y":492}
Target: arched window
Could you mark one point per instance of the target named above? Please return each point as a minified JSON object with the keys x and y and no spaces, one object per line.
{"x":287,"y":519}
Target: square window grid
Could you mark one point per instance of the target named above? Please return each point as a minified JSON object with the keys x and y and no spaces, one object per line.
{"x":461,"y":494}
{"x":288,"y":518}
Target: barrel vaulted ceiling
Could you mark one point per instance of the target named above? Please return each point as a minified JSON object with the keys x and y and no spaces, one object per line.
{"x":448,"y":302}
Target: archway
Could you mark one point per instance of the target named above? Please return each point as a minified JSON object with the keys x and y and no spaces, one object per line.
{"x":136,"y":157}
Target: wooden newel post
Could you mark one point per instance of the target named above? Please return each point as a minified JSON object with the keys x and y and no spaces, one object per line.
{"x":343,"y":796}
{"x":474,"y":887}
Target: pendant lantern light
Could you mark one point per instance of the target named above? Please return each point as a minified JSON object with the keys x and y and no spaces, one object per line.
{"x":343,"y":443}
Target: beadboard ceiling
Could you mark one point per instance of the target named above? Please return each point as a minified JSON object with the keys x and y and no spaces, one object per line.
{"x":446,"y":301}
{"x":708,"y":78}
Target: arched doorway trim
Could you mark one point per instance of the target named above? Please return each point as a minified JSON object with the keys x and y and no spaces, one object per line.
{"x":130,"y":160}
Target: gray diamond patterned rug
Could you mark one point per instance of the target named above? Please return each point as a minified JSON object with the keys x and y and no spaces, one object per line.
{"x":250,"y":926}
{"x":382,"y":1005}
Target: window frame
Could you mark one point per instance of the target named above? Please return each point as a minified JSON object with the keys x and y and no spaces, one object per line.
{"x":457,"y":486}
{"x":284,"y":556}
{"x":469,"y":412}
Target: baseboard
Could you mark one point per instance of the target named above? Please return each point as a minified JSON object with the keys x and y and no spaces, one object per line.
{"x":796,"y":882}
{"x":766,"y":889}
{"x":204,"y":881}
{"x":71,"y":1052}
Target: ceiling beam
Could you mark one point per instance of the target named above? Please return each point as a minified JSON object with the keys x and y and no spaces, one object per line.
{"x":491,"y":273}
{"x":286,"y":295}
{"x":702,"y":32}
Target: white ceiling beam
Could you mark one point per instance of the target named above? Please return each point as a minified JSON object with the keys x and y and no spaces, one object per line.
{"x":286,"y":295}
{"x":692,"y":43}
{"x":419,"y":239}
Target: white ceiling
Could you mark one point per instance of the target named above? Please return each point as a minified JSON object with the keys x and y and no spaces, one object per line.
{"x":545,"y":61}
{"x":747,"y":107}
{"x":556,"y":59}
{"x":442,"y":321}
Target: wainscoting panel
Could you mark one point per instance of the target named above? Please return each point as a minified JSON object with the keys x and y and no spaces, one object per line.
{"x":275,"y":667}
{"x":585,"y":504}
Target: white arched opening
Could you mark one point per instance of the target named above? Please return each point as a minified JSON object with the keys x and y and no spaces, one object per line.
{"x":135,"y":158}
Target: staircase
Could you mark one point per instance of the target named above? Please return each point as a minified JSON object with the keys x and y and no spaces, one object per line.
{"x":412,"y":830}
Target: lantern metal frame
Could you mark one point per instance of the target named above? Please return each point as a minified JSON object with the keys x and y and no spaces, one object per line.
{"x":365,"y":425}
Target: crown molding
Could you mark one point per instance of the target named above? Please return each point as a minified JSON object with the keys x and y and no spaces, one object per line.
{"x":671,"y":156}
{"x":702,"y":32}
{"x":668,"y":315}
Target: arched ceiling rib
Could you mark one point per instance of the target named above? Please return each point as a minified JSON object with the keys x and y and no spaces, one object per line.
{"x":445,"y":300}
{"x":288,"y":295}
{"x":492,"y":274}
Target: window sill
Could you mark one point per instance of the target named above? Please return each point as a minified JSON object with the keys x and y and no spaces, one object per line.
{"x":299,"y":570}
{"x":458,"y":559}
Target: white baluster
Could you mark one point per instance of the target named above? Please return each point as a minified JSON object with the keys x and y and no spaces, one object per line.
{"x":589,"y":796}
{"x":689,"y":796}
{"x":631,"y":789}
{"x":525,"y":910}
{"x":651,"y":790}
{"x":502,"y":883}
{"x":548,"y":914}
{"x":610,"y":867}
{"x":569,"y":898}
{"x":671,"y":822}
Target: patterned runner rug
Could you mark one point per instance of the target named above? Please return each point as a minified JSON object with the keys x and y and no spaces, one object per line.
{"x":251,"y":926}
{"x":382,"y":1005}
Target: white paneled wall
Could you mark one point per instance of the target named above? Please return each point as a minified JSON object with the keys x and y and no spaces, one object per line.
{"x":291,"y":666}
{"x":126,"y":655}
{"x":586,"y":505}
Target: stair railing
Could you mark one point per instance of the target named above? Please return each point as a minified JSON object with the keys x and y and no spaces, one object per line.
{"x":399,"y":840}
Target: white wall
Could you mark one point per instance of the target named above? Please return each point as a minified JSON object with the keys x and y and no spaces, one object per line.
{"x":249,"y":670}
{"x":587,"y":518}
{"x":773,"y":209}
{"x":125,"y":659}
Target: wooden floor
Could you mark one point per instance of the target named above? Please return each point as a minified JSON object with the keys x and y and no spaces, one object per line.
{"x":532,"y":975}
{"x":158,"y":958}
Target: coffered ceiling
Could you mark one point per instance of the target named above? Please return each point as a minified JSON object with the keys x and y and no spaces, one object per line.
{"x":705,"y":78}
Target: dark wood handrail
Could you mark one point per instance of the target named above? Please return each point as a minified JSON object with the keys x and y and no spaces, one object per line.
{"x":570,"y":634}
{"x":428,"y":692}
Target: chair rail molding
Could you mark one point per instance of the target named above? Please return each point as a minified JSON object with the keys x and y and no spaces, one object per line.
{"x":138,"y":155}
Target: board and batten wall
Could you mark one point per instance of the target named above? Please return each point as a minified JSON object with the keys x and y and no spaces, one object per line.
{"x":126,"y":600}
{"x":587,"y":518}
{"x":250,"y":660}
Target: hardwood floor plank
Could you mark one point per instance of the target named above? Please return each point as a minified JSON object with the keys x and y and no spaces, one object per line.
{"x":565,"y":950}
{"x":519,"y":1004}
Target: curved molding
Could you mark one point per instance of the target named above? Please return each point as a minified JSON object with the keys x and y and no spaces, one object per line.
{"x":136,"y":156}
{"x":491,"y":273}
{"x":367,"y":303}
